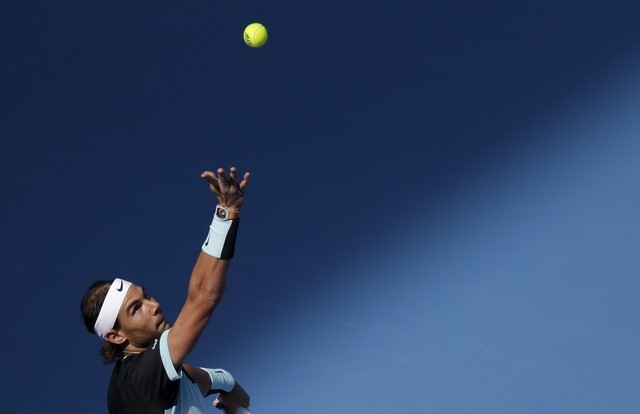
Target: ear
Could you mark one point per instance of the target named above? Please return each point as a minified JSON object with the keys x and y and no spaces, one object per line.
{"x":115,"y":337}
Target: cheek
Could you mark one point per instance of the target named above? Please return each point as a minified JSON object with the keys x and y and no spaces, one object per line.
{"x":140,"y":330}
{"x":135,"y":323}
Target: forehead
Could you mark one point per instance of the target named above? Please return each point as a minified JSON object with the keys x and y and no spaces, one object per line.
{"x":134,"y":293}
{"x":134,"y":290}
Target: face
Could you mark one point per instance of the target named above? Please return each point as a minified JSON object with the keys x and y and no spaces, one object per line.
{"x":141,"y":318}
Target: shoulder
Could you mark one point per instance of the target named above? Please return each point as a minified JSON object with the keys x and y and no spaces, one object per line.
{"x":142,"y":379}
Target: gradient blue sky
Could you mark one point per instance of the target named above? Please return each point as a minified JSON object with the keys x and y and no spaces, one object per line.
{"x":443,"y":216}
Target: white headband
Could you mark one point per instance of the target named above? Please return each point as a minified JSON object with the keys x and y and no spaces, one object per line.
{"x":111,"y":306}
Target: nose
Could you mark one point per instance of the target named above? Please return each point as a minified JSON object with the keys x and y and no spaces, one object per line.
{"x":154,"y":305}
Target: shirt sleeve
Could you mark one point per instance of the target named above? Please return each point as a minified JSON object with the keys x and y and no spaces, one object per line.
{"x":165,"y":356}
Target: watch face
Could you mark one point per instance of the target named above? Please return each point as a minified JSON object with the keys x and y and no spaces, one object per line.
{"x":222,"y":213}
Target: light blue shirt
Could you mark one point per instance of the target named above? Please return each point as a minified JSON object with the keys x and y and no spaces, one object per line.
{"x":190,"y":400}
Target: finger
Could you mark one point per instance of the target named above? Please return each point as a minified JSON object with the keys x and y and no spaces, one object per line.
{"x":212,"y":180}
{"x":245,"y":180}
{"x":209,"y":177}
{"x":232,"y":173}
{"x":222,"y":180}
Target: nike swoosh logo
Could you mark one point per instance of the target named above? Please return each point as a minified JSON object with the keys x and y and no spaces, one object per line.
{"x":120,"y":289}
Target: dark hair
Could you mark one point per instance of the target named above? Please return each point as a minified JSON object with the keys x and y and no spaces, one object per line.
{"x":90,"y":307}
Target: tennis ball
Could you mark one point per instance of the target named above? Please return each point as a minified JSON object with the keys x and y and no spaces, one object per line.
{"x":255,"y":35}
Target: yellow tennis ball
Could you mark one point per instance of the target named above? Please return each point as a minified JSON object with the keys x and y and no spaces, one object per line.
{"x":255,"y":35}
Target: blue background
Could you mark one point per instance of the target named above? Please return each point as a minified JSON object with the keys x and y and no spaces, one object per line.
{"x":443,"y":215}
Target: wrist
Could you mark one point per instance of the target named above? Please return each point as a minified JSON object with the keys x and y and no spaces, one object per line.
{"x":221,"y":240}
{"x":227,"y":213}
{"x":221,"y":380}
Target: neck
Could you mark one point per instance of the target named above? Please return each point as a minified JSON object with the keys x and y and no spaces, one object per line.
{"x":132,"y":349}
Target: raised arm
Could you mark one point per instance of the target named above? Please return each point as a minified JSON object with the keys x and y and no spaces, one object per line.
{"x":209,"y":275}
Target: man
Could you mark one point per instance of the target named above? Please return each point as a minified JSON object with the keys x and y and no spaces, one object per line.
{"x":150,"y":373}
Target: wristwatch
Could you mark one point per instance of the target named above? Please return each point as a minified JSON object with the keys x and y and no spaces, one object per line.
{"x":224,"y":213}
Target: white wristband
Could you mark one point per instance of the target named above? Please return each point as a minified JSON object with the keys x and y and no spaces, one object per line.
{"x":221,"y":239}
{"x":221,"y":380}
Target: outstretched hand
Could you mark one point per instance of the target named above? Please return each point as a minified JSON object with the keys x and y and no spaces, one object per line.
{"x":229,"y":191}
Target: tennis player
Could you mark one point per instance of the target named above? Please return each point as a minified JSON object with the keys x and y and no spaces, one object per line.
{"x":151,"y":374}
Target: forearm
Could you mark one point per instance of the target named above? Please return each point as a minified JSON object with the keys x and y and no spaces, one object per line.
{"x":210,"y":380}
{"x":206,"y":288}
{"x":208,"y":280}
